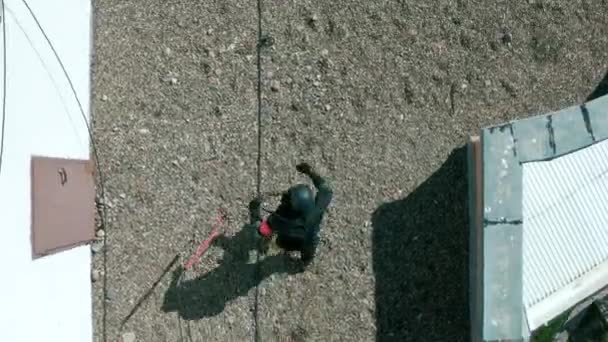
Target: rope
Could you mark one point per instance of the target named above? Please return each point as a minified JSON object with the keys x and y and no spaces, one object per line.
{"x":256,"y":337}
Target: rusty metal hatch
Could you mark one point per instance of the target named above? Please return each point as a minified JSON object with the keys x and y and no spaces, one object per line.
{"x":63,"y":204}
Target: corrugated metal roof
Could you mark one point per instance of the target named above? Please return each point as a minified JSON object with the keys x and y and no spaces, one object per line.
{"x":565,"y":214}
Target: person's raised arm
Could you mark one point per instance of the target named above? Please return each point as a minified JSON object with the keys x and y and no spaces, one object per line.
{"x":324,"y":191}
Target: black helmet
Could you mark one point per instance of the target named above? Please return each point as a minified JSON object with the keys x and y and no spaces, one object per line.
{"x":301,"y":198}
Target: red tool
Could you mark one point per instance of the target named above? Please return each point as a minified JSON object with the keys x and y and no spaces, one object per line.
{"x":202,"y":248}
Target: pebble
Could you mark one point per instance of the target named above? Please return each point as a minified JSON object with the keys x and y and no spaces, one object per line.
{"x":172,"y":80}
{"x":275,"y":86}
{"x":104,"y":98}
{"x":175,"y":163}
{"x":144,"y":131}
{"x":167,"y":51}
{"x":182,"y":159}
{"x":100,"y":233}
{"x":314,"y":18}
{"x":507,"y":38}
{"x":327,"y":108}
{"x":95,"y":276}
{"x":324,"y":52}
{"x":128,"y":337}
{"x":316,"y":83}
{"x":96,"y":247}
{"x":488,"y":83}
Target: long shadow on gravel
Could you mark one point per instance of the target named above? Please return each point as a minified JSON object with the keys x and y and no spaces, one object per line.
{"x":207,"y":295}
{"x":420,"y":260}
{"x":600,"y":90}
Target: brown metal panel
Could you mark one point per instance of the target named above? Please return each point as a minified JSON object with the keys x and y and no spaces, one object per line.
{"x":63,"y":204}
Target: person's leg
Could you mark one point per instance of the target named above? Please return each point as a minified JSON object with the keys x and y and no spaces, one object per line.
{"x":309,"y":247}
{"x":288,"y":243}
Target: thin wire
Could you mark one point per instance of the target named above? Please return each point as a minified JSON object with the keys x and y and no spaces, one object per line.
{"x":3,"y":85}
{"x":103,"y":210}
{"x":259,"y":170}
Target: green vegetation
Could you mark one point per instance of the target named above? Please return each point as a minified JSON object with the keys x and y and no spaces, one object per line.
{"x":547,"y":332}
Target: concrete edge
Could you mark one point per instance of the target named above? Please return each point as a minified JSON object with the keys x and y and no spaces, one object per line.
{"x":475,"y":179}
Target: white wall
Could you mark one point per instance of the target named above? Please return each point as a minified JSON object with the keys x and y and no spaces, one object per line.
{"x":48,"y":299}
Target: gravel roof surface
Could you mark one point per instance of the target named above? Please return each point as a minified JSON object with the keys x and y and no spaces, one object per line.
{"x":379,"y":96}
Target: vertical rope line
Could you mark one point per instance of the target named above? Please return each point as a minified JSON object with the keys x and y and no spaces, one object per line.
{"x":259,"y":167}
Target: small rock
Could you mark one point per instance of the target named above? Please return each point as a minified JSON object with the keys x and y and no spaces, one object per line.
{"x":172,"y":80}
{"x":316,"y":83}
{"x":314,"y":18}
{"x":327,"y":108}
{"x":100,"y":233}
{"x":324,"y":52}
{"x":167,"y":51}
{"x":509,"y":88}
{"x":464,"y":86}
{"x":267,"y":41}
{"x":230,"y":320}
{"x":182,"y":159}
{"x":488,"y":83}
{"x":144,"y":131}
{"x":128,"y":337}
{"x":175,"y":163}
{"x":507,"y":37}
{"x":210,"y":31}
{"x":122,"y":195}
{"x":96,"y":247}
{"x":104,"y":98}
{"x":401,"y":117}
{"x":269,"y":74}
{"x":95,"y":276}
{"x":275,"y":86}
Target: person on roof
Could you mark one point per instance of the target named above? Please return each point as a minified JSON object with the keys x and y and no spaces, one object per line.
{"x":297,"y":220}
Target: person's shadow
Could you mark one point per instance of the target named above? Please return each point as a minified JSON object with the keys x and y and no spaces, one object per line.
{"x":600,"y":90}
{"x":420,"y":260}
{"x":208,"y":294}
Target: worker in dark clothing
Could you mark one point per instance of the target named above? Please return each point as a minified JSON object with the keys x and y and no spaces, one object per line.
{"x":297,"y":220}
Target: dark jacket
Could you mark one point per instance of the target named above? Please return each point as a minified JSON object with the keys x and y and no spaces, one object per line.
{"x":286,"y":222}
{"x":297,"y":231}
